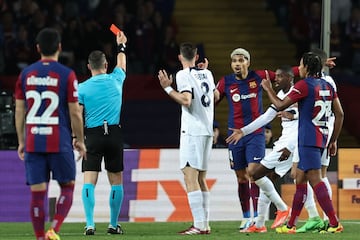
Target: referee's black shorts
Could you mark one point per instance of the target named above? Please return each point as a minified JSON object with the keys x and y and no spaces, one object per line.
{"x":99,"y":145}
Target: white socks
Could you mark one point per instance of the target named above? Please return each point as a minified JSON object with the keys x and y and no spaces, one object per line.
{"x":195,"y":199}
{"x":268,"y":187}
{"x":263,"y":207}
{"x":309,"y":204}
{"x":206,"y":205}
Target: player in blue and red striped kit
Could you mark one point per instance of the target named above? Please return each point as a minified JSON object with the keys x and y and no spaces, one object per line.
{"x":243,"y":92}
{"x":316,"y":101}
{"x":47,"y":114}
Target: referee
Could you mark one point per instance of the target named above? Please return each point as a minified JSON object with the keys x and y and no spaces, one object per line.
{"x":100,"y":99}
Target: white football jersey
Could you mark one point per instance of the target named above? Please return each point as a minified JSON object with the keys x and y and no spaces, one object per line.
{"x":331,"y":120}
{"x":289,"y":133}
{"x":197,"y":119}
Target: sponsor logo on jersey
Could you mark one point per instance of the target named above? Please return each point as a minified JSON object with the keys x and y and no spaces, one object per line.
{"x":247,"y":96}
{"x":41,"y":130}
{"x":237,"y":97}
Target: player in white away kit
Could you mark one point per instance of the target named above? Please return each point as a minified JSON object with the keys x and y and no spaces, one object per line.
{"x":195,"y":93}
{"x":279,"y":160}
{"x":314,"y":222}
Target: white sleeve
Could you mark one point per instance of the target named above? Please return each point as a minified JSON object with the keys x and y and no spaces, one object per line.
{"x":331,"y":81}
{"x":182,"y":82}
{"x":262,"y":120}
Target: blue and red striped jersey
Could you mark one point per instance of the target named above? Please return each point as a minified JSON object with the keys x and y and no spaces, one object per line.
{"x":314,"y":97}
{"x":244,"y":97}
{"x":47,"y":87}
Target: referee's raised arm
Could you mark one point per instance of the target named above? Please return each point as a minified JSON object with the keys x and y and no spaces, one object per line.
{"x":121,"y":47}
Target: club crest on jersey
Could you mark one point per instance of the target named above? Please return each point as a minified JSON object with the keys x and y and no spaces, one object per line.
{"x":252,"y":84}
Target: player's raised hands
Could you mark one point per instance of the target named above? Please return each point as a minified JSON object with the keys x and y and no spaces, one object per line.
{"x":235,"y":136}
{"x":266,"y":83}
{"x":121,"y":38}
{"x":330,"y":62}
{"x":165,"y":80}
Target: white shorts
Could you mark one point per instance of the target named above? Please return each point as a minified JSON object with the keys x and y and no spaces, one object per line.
{"x":325,"y":158}
{"x":195,"y":151}
{"x":271,"y":161}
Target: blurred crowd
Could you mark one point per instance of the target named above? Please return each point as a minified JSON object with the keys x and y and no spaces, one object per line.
{"x":302,"y":22}
{"x":84,"y":26}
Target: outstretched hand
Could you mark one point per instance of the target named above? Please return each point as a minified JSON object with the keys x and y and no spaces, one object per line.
{"x":330,"y":62}
{"x":235,"y":136}
{"x":165,"y":80}
{"x":266,"y":83}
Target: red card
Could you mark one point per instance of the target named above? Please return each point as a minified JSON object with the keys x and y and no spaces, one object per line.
{"x":114,"y":29}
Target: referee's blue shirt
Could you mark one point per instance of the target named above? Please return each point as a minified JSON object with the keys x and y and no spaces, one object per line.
{"x":101,"y":96}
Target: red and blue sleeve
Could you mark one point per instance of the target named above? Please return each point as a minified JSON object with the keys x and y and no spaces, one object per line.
{"x":299,"y":91}
{"x":262,"y":74}
{"x":72,"y":87}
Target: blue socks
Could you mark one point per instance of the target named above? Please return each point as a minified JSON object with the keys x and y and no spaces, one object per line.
{"x":88,"y":198}
{"x":115,"y":202}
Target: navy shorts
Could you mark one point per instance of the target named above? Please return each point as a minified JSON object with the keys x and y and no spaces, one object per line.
{"x":250,"y":149}
{"x":104,"y":146}
{"x":39,"y":165}
{"x":309,"y":157}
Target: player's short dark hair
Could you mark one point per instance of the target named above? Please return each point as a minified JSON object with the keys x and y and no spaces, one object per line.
{"x":322,"y":54}
{"x":313,"y":63}
{"x":96,"y":59}
{"x":287,"y":69}
{"x":48,"y":40}
{"x":188,"y":50}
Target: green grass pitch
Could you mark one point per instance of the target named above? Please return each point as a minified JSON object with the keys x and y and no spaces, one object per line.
{"x":220,"y":230}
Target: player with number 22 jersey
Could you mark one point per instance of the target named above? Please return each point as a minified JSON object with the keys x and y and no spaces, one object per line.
{"x":47,"y":122}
